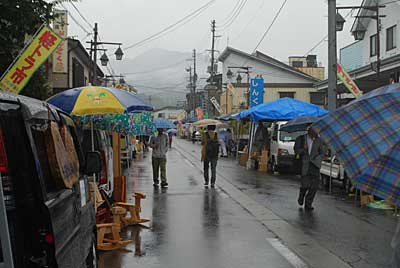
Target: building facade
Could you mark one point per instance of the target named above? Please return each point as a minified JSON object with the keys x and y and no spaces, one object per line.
{"x":280,"y":80}
{"x":78,"y":71}
{"x":360,"y":59}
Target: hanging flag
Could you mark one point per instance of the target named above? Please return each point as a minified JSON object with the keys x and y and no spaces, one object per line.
{"x":31,"y":58}
{"x":347,"y":81}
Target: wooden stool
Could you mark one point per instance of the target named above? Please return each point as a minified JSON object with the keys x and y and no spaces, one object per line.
{"x":115,"y":242}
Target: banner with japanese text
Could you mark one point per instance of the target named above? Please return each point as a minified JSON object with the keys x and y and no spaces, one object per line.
{"x":60,"y":56}
{"x":256,"y":91}
{"x":33,"y":56}
{"x":347,"y":81}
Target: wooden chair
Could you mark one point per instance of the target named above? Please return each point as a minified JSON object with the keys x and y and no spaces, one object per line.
{"x":108,"y":237}
{"x":134,"y":211}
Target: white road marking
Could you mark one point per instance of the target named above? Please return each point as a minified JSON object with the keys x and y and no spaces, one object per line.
{"x":289,"y":255}
{"x":189,"y":163}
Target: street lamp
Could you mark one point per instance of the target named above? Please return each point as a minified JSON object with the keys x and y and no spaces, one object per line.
{"x":104,"y":59}
{"x":239,"y":79}
{"x":359,"y":34}
{"x":339,"y":22}
{"x":119,"y":53}
{"x":229,"y":74}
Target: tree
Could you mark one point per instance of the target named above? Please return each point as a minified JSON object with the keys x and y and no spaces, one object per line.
{"x":18,"y":20}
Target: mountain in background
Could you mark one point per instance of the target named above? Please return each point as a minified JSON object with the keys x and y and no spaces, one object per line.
{"x":160,"y":75}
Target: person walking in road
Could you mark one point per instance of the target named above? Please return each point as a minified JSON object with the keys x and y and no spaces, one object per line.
{"x":209,"y":154}
{"x":159,"y":144}
{"x":261,"y":138}
{"x":309,"y":148}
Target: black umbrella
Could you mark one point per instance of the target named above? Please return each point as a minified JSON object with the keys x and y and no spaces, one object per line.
{"x":299,"y":123}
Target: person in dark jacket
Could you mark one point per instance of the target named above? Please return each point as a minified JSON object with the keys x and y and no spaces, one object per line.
{"x":309,"y":148}
{"x":209,"y":154}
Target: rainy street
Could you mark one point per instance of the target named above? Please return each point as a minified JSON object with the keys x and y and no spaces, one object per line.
{"x":250,"y":219}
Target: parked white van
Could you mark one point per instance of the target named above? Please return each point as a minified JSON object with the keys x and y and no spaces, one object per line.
{"x":281,"y":146}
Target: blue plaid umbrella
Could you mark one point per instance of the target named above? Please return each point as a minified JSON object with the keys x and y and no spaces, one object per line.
{"x":365,"y":135}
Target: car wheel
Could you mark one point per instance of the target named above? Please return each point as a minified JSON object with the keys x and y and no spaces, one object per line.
{"x":91,"y":259}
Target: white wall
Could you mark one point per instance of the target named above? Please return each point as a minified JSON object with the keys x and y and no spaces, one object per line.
{"x":392,"y":12}
{"x":270,"y":73}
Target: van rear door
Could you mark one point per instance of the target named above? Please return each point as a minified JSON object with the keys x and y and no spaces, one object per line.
{"x":6,"y":259}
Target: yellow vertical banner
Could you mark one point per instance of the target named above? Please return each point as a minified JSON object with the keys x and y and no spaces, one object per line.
{"x":347,"y":81}
{"x":60,"y":56}
{"x":34,"y":55}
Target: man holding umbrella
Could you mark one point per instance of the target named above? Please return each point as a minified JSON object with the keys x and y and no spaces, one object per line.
{"x":159,"y":144}
{"x":309,"y":148}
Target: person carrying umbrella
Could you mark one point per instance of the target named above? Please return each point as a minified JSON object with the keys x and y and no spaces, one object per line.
{"x":209,"y":154}
{"x":159,"y":144}
{"x":309,"y":148}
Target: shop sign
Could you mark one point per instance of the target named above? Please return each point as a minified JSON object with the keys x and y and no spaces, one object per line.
{"x":256,"y":91}
{"x":216,"y":104}
{"x":60,"y":56}
{"x":347,"y":81}
{"x":31,"y":58}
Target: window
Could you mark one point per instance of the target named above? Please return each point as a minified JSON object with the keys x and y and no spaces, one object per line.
{"x":297,"y":64}
{"x":391,"y":38}
{"x":317,"y":98}
{"x":286,"y":95}
{"x":373,"y":45}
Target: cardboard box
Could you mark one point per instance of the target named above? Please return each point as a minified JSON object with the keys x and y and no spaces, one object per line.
{"x":263,"y":167}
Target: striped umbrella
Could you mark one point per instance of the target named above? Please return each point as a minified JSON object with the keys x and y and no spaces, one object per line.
{"x":365,"y":135}
{"x":98,"y":100}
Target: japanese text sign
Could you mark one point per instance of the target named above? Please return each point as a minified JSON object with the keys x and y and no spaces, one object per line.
{"x":60,"y":56}
{"x":19,"y":73}
{"x":256,"y":91}
{"x":216,"y":104}
{"x":347,"y":81}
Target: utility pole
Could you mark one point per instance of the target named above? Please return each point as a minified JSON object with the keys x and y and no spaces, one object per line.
{"x":212,"y":50}
{"x":194,"y":79}
{"x":332,"y":55}
{"x":104,"y":59}
{"x":378,"y":42}
{"x":94,"y":71}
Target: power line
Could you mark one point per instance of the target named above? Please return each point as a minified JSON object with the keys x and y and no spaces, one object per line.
{"x":270,"y":26}
{"x":231,"y":14}
{"x":235,"y":16}
{"x":184,"y":20}
{"x":259,"y":9}
{"x":76,"y":21}
{"x":324,"y":38}
{"x":81,"y":15}
{"x":158,"y":69}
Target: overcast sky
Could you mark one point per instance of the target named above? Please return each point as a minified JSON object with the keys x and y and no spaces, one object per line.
{"x":300,"y":26}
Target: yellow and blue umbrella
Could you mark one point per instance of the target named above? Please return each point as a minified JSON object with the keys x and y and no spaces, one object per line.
{"x":98,"y":100}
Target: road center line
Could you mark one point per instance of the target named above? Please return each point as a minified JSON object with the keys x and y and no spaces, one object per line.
{"x":289,"y":255}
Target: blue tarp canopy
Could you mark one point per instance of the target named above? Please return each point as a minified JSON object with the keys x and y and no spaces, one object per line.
{"x":282,"y":109}
{"x":163,"y":123}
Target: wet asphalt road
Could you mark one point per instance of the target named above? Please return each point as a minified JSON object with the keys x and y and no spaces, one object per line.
{"x":196,"y":227}
{"x":359,"y":236}
{"x":192,"y":226}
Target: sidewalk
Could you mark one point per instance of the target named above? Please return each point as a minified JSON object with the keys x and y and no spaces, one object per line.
{"x":358,"y":236}
{"x":194,"y":227}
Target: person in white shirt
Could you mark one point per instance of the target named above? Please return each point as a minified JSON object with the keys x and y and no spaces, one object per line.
{"x":159,"y":144}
